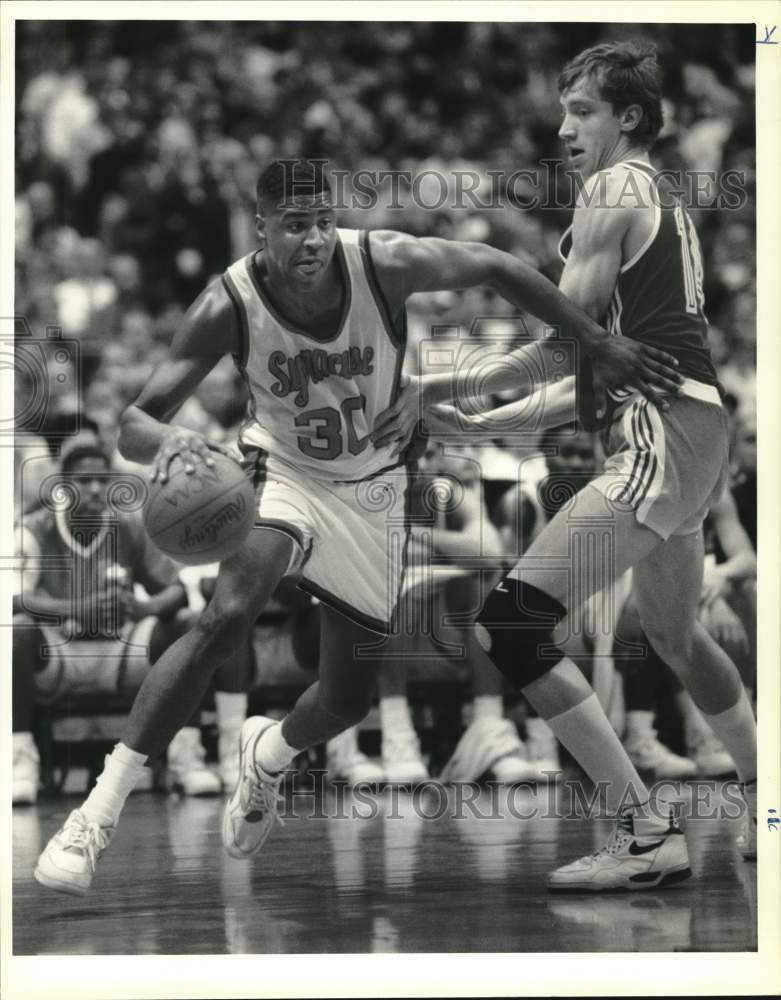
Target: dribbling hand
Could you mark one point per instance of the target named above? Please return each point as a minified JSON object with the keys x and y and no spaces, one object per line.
{"x":190,"y":446}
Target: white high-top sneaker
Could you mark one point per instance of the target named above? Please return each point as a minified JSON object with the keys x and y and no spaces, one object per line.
{"x":68,"y":861}
{"x":187,"y":770}
{"x":345,"y":760}
{"x":26,"y":770}
{"x":639,"y":854}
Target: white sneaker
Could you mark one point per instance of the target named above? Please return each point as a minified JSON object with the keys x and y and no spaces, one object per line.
{"x":650,"y":755}
{"x":542,"y":750}
{"x":747,"y":840}
{"x":187,"y":770}
{"x":26,"y":771}
{"x":638,"y":855}
{"x":68,"y":861}
{"x":490,"y":745}
{"x":402,"y":763}
{"x":345,"y":760}
{"x":252,"y":809}
{"x":711,"y":757}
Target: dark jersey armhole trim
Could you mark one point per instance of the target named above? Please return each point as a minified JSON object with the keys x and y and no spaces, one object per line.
{"x":397,"y":334}
{"x":233,"y":294}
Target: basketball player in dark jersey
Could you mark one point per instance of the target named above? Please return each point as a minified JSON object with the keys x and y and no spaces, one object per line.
{"x":632,"y":260}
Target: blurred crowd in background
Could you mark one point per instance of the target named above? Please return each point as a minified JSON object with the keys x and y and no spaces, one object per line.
{"x":138,"y":146}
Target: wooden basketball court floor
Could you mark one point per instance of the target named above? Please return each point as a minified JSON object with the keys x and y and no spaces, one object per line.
{"x":370,"y":874}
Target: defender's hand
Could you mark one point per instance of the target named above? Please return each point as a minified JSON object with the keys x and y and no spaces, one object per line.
{"x":397,"y":424}
{"x":620,"y":361}
{"x":191,"y":446}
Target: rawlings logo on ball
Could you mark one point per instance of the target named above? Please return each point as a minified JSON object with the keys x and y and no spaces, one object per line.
{"x":231,"y":512}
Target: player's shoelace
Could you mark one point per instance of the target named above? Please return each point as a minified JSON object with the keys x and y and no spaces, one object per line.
{"x":88,"y":837}
{"x":622,"y":833}
{"x":264,"y":797}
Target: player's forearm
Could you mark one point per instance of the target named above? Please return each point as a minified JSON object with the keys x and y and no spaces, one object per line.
{"x":529,"y":290}
{"x":39,"y":604}
{"x":524,"y":370}
{"x":550,"y":405}
{"x":140,"y":435}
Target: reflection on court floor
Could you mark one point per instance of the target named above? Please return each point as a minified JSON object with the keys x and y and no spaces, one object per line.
{"x":387,"y":872}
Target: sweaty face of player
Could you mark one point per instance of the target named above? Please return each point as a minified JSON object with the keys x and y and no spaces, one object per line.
{"x":591,"y":129}
{"x":300,"y":238}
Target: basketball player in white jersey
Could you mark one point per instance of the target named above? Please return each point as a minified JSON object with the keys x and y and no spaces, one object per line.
{"x":633,"y":260}
{"x":315,"y":321}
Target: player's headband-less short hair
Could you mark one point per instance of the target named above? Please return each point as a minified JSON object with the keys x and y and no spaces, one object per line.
{"x":626,"y":73}
{"x":287,"y":180}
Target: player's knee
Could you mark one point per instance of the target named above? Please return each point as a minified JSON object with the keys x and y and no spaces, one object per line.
{"x":516,"y":628}
{"x":675,"y":650}
{"x":226,"y":624}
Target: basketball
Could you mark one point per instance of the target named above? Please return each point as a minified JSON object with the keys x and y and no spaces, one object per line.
{"x":200,"y":517}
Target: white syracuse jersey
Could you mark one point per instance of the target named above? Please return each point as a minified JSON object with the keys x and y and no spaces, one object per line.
{"x":313,"y":401}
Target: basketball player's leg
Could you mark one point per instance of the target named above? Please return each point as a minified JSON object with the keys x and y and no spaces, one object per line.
{"x":342,"y":695}
{"x":583,"y":549}
{"x":179,"y":679}
{"x":667,"y":585}
{"x":339,"y":699}
{"x":167,"y":698}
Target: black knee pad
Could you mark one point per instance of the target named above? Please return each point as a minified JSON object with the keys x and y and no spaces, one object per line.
{"x":520,"y":620}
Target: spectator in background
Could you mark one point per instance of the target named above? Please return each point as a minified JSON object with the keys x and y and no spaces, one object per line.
{"x":86,"y":303}
{"x":77,"y":619}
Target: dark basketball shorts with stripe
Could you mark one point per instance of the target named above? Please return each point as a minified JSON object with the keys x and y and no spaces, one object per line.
{"x":350,"y":537}
{"x":668,"y":467}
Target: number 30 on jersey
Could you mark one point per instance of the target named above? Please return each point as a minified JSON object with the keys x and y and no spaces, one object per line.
{"x":326,"y":438}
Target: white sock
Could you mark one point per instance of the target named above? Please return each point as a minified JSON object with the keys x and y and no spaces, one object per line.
{"x":272,"y":752}
{"x":186,"y":735}
{"x":123,"y":768}
{"x":639,"y":724}
{"x":395,"y":714}
{"x":737,"y":730}
{"x":487,"y":706}
{"x":585,"y":731}
{"x":231,"y":709}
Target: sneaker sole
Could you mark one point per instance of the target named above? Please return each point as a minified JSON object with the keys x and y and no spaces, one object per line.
{"x":52,"y":883}
{"x":632,"y":884}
